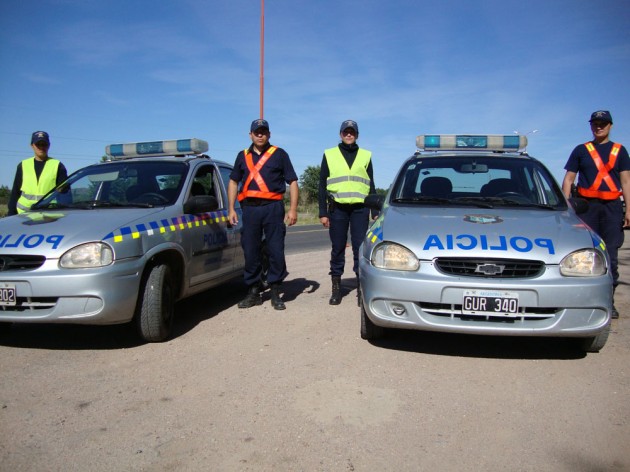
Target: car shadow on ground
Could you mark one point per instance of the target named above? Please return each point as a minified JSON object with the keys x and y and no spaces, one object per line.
{"x":189,"y":313}
{"x":478,"y":346}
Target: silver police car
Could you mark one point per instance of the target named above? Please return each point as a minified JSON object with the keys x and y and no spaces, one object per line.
{"x":122,"y":241}
{"x":475,"y":236}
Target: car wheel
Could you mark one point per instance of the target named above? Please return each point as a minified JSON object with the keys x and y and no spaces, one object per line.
{"x":157,"y":306}
{"x":595,"y":343}
{"x":368,"y":329}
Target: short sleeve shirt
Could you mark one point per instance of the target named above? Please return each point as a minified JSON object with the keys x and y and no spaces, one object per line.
{"x":277,"y":172}
{"x":581,"y":162}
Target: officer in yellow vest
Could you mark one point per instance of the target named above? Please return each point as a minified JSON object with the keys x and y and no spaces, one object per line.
{"x":346,"y":178}
{"x":602,"y":168}
{"x":35,"y":176}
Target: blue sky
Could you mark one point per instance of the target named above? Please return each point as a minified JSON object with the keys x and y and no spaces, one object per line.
{"x":94,"y":72}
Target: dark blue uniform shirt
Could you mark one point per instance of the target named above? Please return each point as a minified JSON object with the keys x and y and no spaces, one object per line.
{"x":581,"y":162}
{"x":277,"y":171}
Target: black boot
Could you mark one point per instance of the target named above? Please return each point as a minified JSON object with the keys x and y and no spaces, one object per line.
{"x":335,"y":298}
{"x":615,"y":314}
{"x":276,"y":301}
{"x":252,"y":298}
{"x":358,"y":291}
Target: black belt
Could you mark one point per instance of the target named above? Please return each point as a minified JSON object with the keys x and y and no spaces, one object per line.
{"x":250,"y":201}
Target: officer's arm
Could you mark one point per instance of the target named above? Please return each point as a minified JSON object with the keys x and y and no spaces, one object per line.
{"x":15,"y":192}
{"x":569,"y":179}
{"x":292,"y":215}
{"x":232,"y":191}
{"x":624,"y":176}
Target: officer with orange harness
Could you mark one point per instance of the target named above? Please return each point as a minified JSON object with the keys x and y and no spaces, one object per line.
{"x":604,"y":176}
{"x":263,"y":171}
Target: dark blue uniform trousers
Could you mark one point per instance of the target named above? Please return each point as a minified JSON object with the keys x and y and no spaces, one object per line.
{"x":605,"y":217}
{"x":268,"y":220}
{"x":344,"y":216}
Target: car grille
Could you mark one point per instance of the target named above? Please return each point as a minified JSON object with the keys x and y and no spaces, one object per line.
{"x":8,"y":262}
{"x":455,"y":311}
{"x":492,"y":268}
{"x":31,"y":304}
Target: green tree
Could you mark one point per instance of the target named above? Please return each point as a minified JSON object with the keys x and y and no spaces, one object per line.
{"x":309,"y":184}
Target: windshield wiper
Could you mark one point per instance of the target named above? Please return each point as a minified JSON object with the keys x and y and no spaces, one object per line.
{"x":89,"y":205}
{"x":49,"y":206}
{"x":421,"y":199}
{"x":481,"y":202}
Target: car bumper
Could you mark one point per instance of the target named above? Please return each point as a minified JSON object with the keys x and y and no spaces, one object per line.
{"x":552,"y":305}
{"x":100,"y":296}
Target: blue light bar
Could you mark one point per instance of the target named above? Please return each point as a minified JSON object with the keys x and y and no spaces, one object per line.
{"x":172,"y":147}
{"x":480,"y":142}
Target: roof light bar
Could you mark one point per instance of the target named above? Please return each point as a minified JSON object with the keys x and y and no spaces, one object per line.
{"x":481,"y":142}
{"x":158,"y":148}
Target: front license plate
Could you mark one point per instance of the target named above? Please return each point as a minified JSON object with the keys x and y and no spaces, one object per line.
{"x":490,"y":302}
{"x":7,"y":294}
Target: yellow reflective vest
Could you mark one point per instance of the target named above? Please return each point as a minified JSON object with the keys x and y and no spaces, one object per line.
{"x":345,"y":184}
{"x":33,"y":189}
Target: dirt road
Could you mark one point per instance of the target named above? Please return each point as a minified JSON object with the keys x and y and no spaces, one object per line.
{"x":261,"y":390}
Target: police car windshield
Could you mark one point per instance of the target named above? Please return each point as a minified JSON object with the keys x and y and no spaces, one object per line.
{"x":484,"y":181}
{"x":132,"y":184}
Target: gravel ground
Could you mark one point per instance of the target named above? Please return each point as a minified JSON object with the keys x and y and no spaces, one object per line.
{"x":258,"y":389}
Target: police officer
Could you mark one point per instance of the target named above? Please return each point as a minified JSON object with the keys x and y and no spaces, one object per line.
{"x":35,"y":176}
{"x":346,"y":178}
{"x":603,"y":171}
{"x":263,"y":171}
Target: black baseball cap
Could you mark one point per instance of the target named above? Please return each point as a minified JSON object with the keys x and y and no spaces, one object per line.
{"x":601,"y":115}
{"x":39,"y":136}
{"x":260,"y":123}
{"x":349,"y":124}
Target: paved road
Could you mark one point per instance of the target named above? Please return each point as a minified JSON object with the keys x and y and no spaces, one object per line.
{"x":307,"y":238}
{"x":260,"y":390}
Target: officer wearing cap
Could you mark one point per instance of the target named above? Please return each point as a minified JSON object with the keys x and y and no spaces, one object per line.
{"x":603,"y":170}
{"x":35,"y":176}
{"x":258,"y":181}
{"x":346,"y":178}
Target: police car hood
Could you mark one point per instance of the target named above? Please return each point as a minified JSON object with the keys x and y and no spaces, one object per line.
{"x":52,"y":233}
{"x":536,"y":234}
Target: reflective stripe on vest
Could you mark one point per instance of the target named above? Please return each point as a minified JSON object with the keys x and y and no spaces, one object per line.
{"x":603,"y":174}
{"x":345,"y":184}
{"x":254,"y":174}
{"x":33,"y":189}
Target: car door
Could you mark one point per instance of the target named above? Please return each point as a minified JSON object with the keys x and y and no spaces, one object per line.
{"x":211,"y":242}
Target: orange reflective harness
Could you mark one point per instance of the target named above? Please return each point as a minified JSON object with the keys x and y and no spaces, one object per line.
{"x":254,"y":174}
{"x":602,"y":175}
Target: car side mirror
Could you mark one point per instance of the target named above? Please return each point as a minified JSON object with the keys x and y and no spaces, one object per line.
{"x":580,"y":205}
{"x":200,"y":204}
{"x":374,"y":201}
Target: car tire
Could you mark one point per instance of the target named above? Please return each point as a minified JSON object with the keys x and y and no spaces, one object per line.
{"x":157,"y":306}
{"x":368,"y":329}
{"x":596,"y":343}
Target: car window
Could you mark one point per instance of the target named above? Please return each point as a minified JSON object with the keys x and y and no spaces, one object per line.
{"x":125,"y":183}
{"x":457,"y":179}
{"x":225,"y":176}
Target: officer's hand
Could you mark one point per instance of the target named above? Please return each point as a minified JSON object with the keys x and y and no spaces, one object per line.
{"x":291,"y":218}
{"x":325,"y":221}
{"x":233,"y":217}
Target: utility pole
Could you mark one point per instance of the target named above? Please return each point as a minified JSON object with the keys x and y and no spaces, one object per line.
{"x":262,"y":58}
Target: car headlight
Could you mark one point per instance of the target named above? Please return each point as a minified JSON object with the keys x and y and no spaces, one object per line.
{"x":87,"y":255}
{"x":394,"y":257}
{"x":584,"y":263}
